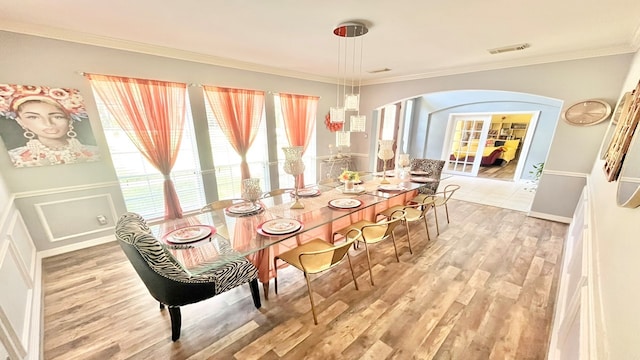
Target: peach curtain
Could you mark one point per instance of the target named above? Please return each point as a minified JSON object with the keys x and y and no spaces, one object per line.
{"x":239,"y":113}
{"x":152,"y":114}
{"x":299,"y":113}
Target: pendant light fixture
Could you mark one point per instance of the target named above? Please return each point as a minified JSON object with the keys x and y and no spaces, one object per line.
{"x":349,"y":80}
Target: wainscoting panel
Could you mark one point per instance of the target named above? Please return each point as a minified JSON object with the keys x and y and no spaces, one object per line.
{"x":75,"y":217}
{"x":15,"y":305}
{"x":19,"y":237}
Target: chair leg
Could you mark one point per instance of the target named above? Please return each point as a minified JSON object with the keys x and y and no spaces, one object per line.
{"x":176,"y":322}
{"x":275,"y":278}
{"x":406,"y":224}
{"x":353,"y":275}
{"x":446,"y":208}
{"x":255,"y":293}
{"x":366,"y":248}
{"x":313,"y":306}
{"x":395,"y":248}
{"x":435,"y":214}
{"x":426,"y":226}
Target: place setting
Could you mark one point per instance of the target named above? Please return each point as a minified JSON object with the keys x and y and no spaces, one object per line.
{"x":279,"y":227}
{"x":422,"y":179}
{"x":355,"y":189}
{"x":189,"y":234}
{"x":244,"y":209}
{"x":345,"y":203}
{"x":308,"y":192}
{"x":391,"y":187}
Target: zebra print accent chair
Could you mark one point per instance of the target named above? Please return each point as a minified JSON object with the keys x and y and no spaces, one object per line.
{"x":168,"y":282}
{"x":433,"y":168}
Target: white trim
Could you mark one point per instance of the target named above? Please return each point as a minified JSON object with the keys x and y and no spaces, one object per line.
{"x":15,"y":254}
{"x":7,"y":210}
{"x":45,"y":223}
{"x":556,"y":218}
{"x":53,"y":191}
{"x":37,"y":315}
{"x":528,"y":139}
{"x":76,"y":246}
{"x":565,"y":173}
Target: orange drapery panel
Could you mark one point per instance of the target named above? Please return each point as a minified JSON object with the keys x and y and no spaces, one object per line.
{"x":299,"y":113}
{"x":239,"y":112}
{"x":152,"y":114}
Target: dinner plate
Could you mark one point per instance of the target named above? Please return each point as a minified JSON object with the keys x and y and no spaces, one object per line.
{"x":422,"y":179}
{"x":243,"y":208}
{"x":280,"y":226}
{"x":308,"y":192}
{"x":343,"y":203}
{"x":390,"y":187}
{"x":357,"y":189}
{"x":189,"y":234}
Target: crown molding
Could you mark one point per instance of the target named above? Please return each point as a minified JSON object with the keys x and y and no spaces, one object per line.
{"x":162,"y":51}
{"x":614,"y":50}
{"x":167,"y":52}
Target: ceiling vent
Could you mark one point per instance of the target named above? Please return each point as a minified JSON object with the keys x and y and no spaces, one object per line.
{"x":509,"y":48}
{"x":379,"y":71}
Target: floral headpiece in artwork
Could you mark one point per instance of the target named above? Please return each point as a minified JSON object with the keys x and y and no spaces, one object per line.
{"x":12,"y":96}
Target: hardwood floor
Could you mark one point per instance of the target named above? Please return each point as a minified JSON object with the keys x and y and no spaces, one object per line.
{"x":484,"y":289}
{"x":498,"y":172}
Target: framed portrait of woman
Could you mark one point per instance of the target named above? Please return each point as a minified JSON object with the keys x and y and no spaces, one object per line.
{"x":40,"y":126}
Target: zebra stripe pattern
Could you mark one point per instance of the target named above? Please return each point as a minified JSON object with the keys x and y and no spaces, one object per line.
{"x":132,"y":229}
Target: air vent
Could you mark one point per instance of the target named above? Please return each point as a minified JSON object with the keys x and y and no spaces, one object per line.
{"x":509,"y":48}
{"x":379,"y":71}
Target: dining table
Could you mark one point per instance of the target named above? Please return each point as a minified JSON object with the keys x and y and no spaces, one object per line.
{"x":261,"y":230}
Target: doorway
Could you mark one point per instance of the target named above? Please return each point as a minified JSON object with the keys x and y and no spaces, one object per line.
{"x":496,"y":150}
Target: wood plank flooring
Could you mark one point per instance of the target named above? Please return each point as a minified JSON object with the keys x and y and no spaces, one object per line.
{"x":484,"y":289}
{"x":498,"y":172}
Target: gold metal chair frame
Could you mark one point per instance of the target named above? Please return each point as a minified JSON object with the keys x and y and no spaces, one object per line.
{"x":375,"y":232}
{"x":317,"y":256}
{"x":439,"y":199}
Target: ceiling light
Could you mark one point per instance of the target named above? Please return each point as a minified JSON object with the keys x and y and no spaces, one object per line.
{"x":349,"y":78}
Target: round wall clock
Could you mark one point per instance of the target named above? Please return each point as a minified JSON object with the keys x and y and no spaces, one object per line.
{"x":587,"y":112}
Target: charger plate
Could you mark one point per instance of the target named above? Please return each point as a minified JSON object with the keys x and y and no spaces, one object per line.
{"x":189,"y":234}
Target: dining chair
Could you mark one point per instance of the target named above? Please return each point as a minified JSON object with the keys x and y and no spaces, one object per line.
{"x":168,"y":282}
{"x":432,"y":169}
{"x":415,"y":211}
{"x":438,"y":199}
{"x":276,"y":192}
{"x":317,"y":256}
{"x":375,"y":232}
{"x":221,"y":204}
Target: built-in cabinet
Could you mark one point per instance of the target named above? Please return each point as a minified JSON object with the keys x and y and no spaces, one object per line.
{"x":507,"y":131}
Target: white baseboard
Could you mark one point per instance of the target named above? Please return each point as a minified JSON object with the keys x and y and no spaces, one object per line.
{"x":72,"y":247}
{"x":562,"y":219}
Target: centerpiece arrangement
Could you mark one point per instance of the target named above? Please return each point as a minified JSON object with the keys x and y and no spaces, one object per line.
{"x":349,"y":178}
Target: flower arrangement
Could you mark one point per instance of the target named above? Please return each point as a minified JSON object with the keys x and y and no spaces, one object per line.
{"x":333,"y":127}
{"x":350,"y":175}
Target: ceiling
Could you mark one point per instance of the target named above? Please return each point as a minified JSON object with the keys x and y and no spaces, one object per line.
{"x":413,"y":38}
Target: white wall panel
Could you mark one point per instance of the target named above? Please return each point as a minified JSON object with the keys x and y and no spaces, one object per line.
{"x":73,"y":217}
{"x":18,"y":235}
{"x":15,"y":305}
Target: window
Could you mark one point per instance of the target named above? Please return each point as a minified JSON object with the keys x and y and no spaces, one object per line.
{"x":141,"y":183}
{"x":227,"y":161}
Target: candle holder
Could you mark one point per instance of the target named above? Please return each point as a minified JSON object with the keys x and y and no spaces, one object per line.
{"x":403,"y":162}
{"x":251,"y":190}
{"x":293,"y":165}
{"x":385,"y":153}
